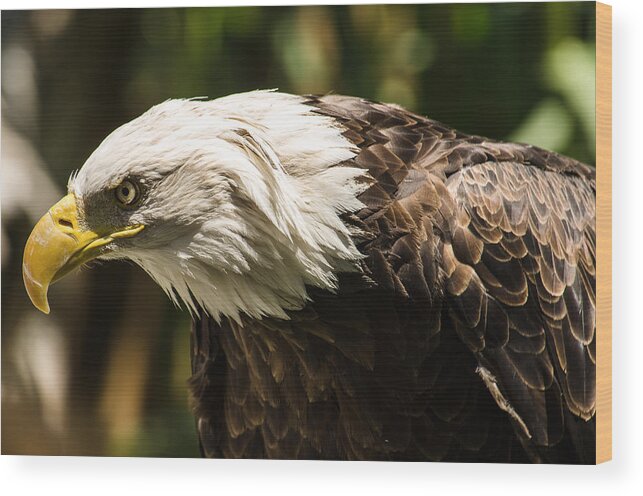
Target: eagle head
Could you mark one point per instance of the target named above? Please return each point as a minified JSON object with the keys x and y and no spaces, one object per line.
{"x":232,"y":205}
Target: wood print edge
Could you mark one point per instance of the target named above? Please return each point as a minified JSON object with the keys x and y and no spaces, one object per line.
{"x":604,"y":232}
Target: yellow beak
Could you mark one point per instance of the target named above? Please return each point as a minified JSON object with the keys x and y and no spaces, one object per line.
{"x":57,"y":245}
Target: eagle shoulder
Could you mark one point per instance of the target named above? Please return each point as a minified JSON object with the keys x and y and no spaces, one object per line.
{"x":504,"y":233}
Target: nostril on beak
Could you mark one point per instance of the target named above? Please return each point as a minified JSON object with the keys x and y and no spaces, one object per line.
{"x":65,"y":223}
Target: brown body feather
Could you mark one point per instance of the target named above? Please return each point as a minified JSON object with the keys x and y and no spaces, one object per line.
{"x":470,"y":335}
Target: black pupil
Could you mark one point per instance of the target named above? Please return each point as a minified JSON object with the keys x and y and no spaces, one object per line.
{"x":125,"y":192}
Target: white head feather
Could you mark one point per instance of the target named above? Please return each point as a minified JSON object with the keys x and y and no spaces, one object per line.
{"x":243,"y":203}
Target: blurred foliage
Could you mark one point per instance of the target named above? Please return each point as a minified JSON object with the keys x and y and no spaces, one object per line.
{"x":106,"y":373}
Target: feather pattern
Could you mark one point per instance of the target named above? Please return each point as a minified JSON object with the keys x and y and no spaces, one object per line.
{"x":467,"y":332}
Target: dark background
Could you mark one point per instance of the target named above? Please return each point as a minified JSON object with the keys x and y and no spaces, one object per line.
{"x":105,"y":373}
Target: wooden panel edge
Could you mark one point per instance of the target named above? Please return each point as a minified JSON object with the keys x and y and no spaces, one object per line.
{"x":604,"y":232}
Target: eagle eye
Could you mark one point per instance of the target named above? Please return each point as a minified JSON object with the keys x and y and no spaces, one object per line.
{"x":127,"y":193}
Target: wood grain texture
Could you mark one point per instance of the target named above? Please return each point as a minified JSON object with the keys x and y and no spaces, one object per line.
{"x":604,"y":231}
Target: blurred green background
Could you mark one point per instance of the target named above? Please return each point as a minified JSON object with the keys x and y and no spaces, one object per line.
{"x":105,"y":373}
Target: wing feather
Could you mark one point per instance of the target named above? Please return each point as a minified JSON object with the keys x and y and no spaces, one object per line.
{"x":541,"y":273}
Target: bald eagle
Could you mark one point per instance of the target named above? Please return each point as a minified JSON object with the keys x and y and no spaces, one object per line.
{"x":365,"y":283}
